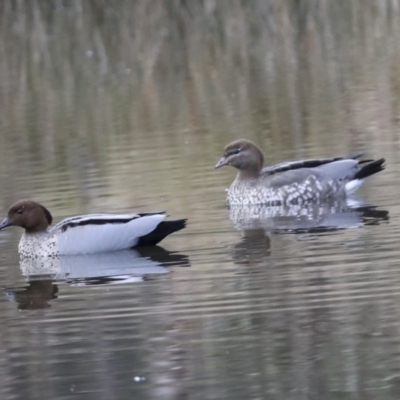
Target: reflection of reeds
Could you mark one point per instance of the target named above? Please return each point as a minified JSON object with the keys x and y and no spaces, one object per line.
{"x":282,"y":73}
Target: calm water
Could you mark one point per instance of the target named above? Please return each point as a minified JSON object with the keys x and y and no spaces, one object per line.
{"x":126,"y":107}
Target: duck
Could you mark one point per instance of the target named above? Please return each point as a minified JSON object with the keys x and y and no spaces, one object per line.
{"x":85,"y":234}
{"x":292,"y":182}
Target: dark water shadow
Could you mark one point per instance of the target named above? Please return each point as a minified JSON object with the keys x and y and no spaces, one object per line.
{"x":120,"y":267}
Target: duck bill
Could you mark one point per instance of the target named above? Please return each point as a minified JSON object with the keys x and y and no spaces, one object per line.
{"x":223,"y":161}
{"x":6,"y":222}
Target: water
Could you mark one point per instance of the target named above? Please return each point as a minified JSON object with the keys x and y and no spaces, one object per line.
{"x":128,"y":107}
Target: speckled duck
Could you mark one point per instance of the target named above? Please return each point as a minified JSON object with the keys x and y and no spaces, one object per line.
{"x":85,"y":234}
{"x":293,"y":182}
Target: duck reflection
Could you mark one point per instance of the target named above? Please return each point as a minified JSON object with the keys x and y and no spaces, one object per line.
{"x":36,"y":295}
{"x":254,"y":246}
{"x":257,"y":223}
{"x":350,"y":213}
{"x":118,"y":267}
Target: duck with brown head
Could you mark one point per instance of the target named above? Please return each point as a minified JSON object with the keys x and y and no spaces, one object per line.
{"x":293,"y":182}
{"x":84,"y":234}
{"x":245,"y":156}
{"x":29,"y":215}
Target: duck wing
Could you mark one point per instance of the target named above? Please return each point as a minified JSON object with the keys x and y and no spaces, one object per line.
{"x":95,"y":233}
{"x":309,"y":163}
{"x":348,"y":170}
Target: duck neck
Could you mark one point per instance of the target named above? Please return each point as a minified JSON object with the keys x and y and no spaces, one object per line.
{"x":36,"y":232}
{"x":248,"y":174}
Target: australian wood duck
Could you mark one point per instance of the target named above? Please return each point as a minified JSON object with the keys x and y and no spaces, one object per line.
{"x":293,"y":182}
{"x":84,"y":234}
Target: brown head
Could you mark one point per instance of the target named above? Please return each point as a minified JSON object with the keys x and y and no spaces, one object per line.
{"x":27,"y":214}
{"x":244,"y":155}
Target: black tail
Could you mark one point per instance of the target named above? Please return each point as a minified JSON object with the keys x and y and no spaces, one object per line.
{"x":370,"y":169}
{"x":163,"y":229}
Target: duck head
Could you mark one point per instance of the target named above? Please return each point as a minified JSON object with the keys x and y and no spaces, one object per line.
{"x":27,"y":214}
{"x":245,"y":156}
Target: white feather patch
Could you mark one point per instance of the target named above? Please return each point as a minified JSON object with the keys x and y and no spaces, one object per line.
{"x":353,"y":185}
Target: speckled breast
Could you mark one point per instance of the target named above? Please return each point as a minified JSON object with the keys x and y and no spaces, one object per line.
{"x":309,"y":190}
{"x":37,"y":245}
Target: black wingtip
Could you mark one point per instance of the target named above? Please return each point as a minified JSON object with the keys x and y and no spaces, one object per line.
{"x":163,"y":229}
{"x":370,"y":169}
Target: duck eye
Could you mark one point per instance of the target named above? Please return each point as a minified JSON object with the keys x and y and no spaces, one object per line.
{"x":234,"y":152}
{"x":20,"y":210}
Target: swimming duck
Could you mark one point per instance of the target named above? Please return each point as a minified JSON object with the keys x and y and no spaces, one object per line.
{"x":293,"y":182}
{"x":84,"y":234}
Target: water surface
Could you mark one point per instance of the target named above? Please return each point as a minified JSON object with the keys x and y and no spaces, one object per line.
{"x":127,"y":107}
